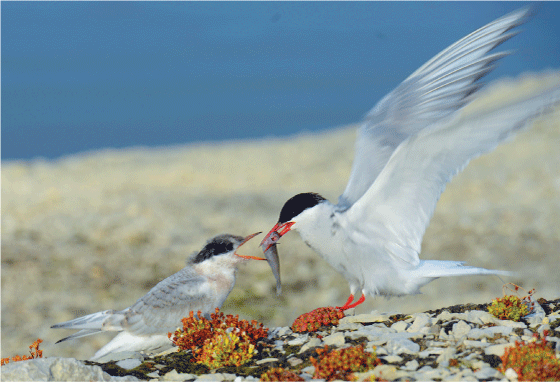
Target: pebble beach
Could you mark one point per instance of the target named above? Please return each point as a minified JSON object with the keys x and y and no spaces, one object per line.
{"x":97,"y":230}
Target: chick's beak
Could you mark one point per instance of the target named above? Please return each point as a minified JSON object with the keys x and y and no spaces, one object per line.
{"x":275,"y":234}
{"x":243,"y":242}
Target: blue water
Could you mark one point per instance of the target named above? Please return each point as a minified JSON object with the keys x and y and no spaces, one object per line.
{"x":79,"y":76}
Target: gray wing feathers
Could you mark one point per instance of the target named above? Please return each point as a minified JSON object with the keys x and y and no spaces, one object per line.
{"x":435,"y":91}
{"x":405,"y":194}
{"x":175,"y":296}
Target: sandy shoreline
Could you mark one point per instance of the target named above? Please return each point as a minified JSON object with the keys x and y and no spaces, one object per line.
{"x":96,"y":231}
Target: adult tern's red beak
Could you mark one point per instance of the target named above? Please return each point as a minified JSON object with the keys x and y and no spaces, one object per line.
{"x":275,"y":234}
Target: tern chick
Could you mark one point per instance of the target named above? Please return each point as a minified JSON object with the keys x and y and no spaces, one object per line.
{"x":408,"y":147}
{"x":203,"y":284}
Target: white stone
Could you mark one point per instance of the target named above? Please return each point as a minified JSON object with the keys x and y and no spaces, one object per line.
{"x":402,"y":345}
{"x":512,"y":324}
{"x":399,"y":326}
{"x":431,"y":351}
{"x":210,"y":377}
{"x":173,"y":375}
{"x":293,"y":361}
{"x":475,"y":344}
{"x":365,"y":318}
{"x":336,"y":339}
{"x":392,"y":358}
{"x":511,"y":374}
{"x":487,"y":373}
{"x":411,"y":365}
{"x":56,"y":369}
{"x":447,"y":354}
{"x":490,"y":332}
{"x":299,"y":340}
{"x":349,"y":326}
{"x":388,"y":372}
{"x":460,"y":329}
{"x":475,"y":316}
{"x":129,"y":363}
{"x":430,"y":374}
{"x":266,"y":360}
{"x":498,"y":350}
{"x":314,"y":342}
{"x":280,"y":331}
{"x":421,"y":320}
{"x":536,"y":317}
{"x":308,"y":370}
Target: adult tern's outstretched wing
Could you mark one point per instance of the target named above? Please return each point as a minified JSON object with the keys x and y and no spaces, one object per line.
{"x":434,"y":91}
{"x":402,"y":199}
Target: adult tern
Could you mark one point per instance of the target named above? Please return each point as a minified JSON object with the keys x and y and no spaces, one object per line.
{"x":408,"y":147}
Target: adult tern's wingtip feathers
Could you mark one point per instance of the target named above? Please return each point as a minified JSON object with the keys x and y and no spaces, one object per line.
{"x":439,"y":88}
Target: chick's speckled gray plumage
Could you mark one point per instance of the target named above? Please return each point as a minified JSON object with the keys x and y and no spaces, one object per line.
{"x":203,"y":284}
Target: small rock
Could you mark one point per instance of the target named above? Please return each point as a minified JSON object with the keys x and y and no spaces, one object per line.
{"x":512,"y":324}
{"x":280,"y":331}
{"x":314,"y":342}
{"x":299,"y":340}
{"x":498,"y":350}
{"x":56,"y":369}
{"x":336,"y":339}
{"x":490,"y":332}
{"x":365,"y":318}
{"x":475,"y":344}
{"x":511,"y":374}
{"x":392,"y":358}
{"x":445,"y":356}
{"x":411,"y":365}
{"x":266,"y":360}
{"x":460,"y":329}
{"x":431,"y":351}
{"x":388,"y":372}
{"x":536,"y":317}
{"x":402,"y":345}
{"x":399,"y":326}
{"x":173,"y":375}
{"x":309,"y":370}
{"x":129,"y":363}
{"x":210,"y":377}
{"x":293,"y":361}
{"x":345,"y":326}
{"x":421,"y":320}
{"x":487,"y":373}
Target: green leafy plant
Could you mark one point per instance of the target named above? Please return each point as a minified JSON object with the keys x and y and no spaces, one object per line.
{"x":225,"y":349}
{"x":312,"y":321}
{"x":533,"y":361}
{"x":342,"y":363}
{"x":512,"y":307}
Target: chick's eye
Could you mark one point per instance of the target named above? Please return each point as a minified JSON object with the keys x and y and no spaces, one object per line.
{"x":229,"y":247}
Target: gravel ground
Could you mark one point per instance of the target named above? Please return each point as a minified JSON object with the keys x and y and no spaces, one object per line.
{"x":97,"y":230}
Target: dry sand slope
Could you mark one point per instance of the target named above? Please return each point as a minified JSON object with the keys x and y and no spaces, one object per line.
{"x":96,"y":231}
